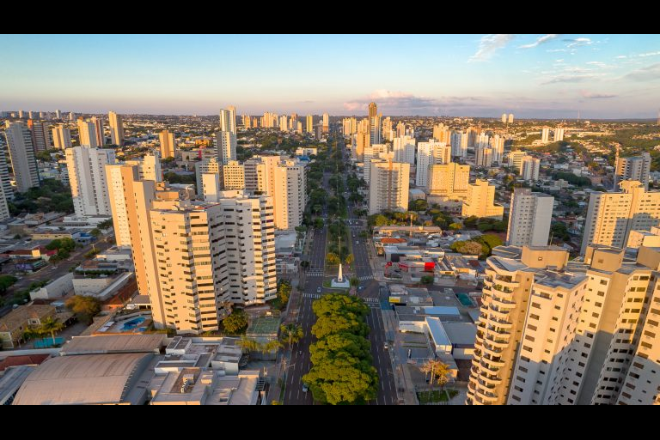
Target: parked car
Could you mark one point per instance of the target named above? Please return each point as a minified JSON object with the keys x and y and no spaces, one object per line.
{"x":305,"y":388}
{"x":319,"y":290}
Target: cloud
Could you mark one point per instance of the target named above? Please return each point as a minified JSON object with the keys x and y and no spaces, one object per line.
{"x":621,"y":57}
{"x":649,"y":54}
{"x":489,"y":45}
{"x":392,"y":100}
{"x":590,"y":95}
{"x":570,"y":78}
{"x":542,"y":40}
{"x":578,"y":42}
{"x":648,"y":73}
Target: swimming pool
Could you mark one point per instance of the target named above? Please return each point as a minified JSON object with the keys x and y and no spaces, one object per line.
{"x":132,"y":324}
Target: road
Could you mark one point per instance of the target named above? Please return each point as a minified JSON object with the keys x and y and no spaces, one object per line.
{"x":300,"y":363}
{"x":55,"y":271}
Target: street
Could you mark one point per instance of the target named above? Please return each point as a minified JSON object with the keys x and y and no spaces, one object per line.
{"x":300,"y":363}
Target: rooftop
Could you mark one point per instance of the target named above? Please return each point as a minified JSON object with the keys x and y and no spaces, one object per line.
{"x":19,"y":317}
{"x":114,"y":344}
{"x":17,"y":361}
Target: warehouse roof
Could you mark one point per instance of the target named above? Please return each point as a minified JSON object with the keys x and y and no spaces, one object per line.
{"x":114,"y":344}
{"x":82,"y":380}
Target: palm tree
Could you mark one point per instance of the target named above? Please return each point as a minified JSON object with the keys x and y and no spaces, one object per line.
{"x":32,"y":333}
{"x":292,"y":334}
{"x":439,"y":372}
{"x":248,"y":344}
{"x":51,"y":326}
{"x":269,"y":347}
{"x":355,"y":282}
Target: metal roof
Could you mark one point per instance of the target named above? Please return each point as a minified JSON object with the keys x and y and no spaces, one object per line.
{"x":114,"y":344}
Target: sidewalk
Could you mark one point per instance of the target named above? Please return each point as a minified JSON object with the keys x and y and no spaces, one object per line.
{"x":405,"y":389}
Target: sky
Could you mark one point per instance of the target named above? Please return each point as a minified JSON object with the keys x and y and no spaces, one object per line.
{"x":531,"y":76}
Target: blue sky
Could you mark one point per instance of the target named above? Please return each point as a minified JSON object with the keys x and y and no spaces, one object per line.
{"x":541,"y":75}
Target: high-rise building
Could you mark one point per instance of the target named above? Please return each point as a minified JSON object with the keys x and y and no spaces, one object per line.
{"x":309,"y":128}
{"x":530,"y":168}
{"x":250,"y":243}
{"x":553,"y":332}
{"x":89,"y":183}
{"x":373,"y":110}
{"x":21,"y":153}
{"x":559,"y":134}
{"x":401,"y":130}
{"x":405,"y":150}
{"x":510,"y":275}
{"x":100,"y":131}
{"x":472,"y":134}
{"x":430,"y":153}
{"x":4,"y":207}
{"x":497,"y":144}
{"x":41,"y":140}
{"x":515,"y":160}
{"x":375,"y":152}
{"x":389,"y":186}
{"x":207,"y":166}
{"x":349,"y":126}
{"x":61,"y":137}
{"x":226,"y":146}
{"x":485,"y":157}
{"x":87,"y":136}
{"x":504,"y":117}
{"x":376,"y":134}
{"x":5,"y":180}
{"x":612,"y":216}
{"x":284,"y":123}
{"x":482,"y":141}
{"x":233,"y":176}
{"x":326,"y":122}
{"x":441,"y":133}
{"x":511,"y":118}
{"x":116,"y":128}
{"x":167,"y":144}
{"x":481,"y":201}
{"x":545,"y":135}
{"x":247,"y":121}
{"x":636,"y":168}
{"x":118,"y":176}
{"x":149,"y":167}
{"x":450,"y":181}
{"x":363,"y":139}
{"x":459,"y":144}
{"x":228,"y":119}
{"x":530,"y":218}
{"x":58,"y":114}
{"x":289,"y":194}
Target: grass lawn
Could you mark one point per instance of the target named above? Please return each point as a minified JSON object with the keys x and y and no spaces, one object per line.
{"x":437,"y":396}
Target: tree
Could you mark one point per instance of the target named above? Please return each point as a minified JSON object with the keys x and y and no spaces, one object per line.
{"x":304,"y":265}
{"x":343,"y":381}
{"x":439,"y":373}
{"x":355,"y":282}
{"x":456,"y":226}
{"x":96,"y":233}
{"x":236,"y":322}
{"x":492,"y":241}
{"x":471,"y":222}
{"x":51,"y":326}
{"x":333,"y":259}
{"x":248,"y":344}
{"x":291,"y":334}
{"x":350,"y":259}
{"x":105,"y":225}
{"x":84,"y":307}
{"x":468,"y":248}
{"x":341,"y":345}
{"x":428,"y":280}
{"x":378,"y":220}
{"x":6,"y":281}
{"x":331,"y":324}
{"x":284,"y":290}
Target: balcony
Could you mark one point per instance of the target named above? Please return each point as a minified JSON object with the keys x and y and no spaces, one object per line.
{"x":496,"y":341}
{"x":498,"y":315}
{"x":492,"y":364}
{"x":489,"y":382}
{"x":485,"y":397}
{"x":492,"y":352}
{"x":499,"y":326}
{"x":503,"y":303}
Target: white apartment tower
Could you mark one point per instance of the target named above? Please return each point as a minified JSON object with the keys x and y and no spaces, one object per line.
{"x":41,"y":139}
{"x":481,"y":202}
{"x":250,"y":244}
{"x":228,"y":119}
{"x":87,"y":136}
{"x":116,"y":128}
{"x":430,"y":153}
{"x":450,"y":181}
{"x":89,"y":184}
{"x":612,"y":216}
{"x":405,"y":150}
{"x":530,"y":168}
{"x":636,"y":168}
{"x":225,"y":142}
{"x":289,"y":194}
{"x":545,"y":135}
{"x":21,"y":153}
{"x":389,"y":187}
{"x":61,"y":137}
{"x":530,"y":218}
{"x":233,"y":176}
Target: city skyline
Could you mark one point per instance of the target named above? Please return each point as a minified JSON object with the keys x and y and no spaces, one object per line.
{"x":532,"y":76}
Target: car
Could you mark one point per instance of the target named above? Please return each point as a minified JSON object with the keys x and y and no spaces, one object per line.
{"x":361,"y":288}
{"x":305,"y":388}
{"x":386,"y":346}
{"x":319,"y":290}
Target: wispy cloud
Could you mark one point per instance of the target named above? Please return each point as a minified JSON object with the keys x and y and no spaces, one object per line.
{"x":542,"y":40}
{"x":392,"y":99}
{"x":570,"y":78}
{"x":591,"y":95}
{"x":578,"y":42}
{"x":649,"y":73}
{"x":489,"y":45}
{"x":649,"y":54}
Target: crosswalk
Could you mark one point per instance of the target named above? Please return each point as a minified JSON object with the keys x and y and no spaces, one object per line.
{"x":311,"y":296}
{"x":315,"y":273}
{"x":366,"y":278}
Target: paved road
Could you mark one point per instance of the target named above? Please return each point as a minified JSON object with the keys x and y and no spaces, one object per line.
{"x":55,"y":271}
{"x":300,"y":360}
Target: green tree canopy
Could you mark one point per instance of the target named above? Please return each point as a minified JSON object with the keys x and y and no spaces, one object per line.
{"x":236,"y":322}
{"x":84,"y":307}
{"x":343,"y":381}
